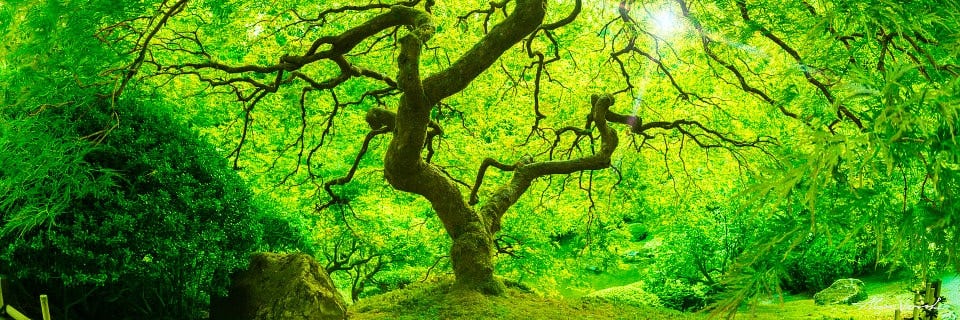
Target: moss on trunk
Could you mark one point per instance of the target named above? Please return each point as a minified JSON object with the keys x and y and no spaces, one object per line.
{"x":472,"y":259}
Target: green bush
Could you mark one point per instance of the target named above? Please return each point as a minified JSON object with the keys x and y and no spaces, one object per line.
{"x":638,"y":231}
{"x":680,"y":295}
{"x":819,"y":262}
{"x":147,"y":223}
{"x":632,"y":294}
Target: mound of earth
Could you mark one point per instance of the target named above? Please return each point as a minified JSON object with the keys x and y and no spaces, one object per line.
{"x":440,"y":300}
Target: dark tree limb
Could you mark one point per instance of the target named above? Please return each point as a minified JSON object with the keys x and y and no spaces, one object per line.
{"x":741,"y":80}
{"x":842,"y":111}
{"x":134,"y":66}
{"x":327,"y":186}
{"x":488,"y":162}
{"x":525,"y":18}
{"x":504,"y":197}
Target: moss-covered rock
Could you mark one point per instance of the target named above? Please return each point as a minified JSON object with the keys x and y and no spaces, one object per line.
{"x":282,"y":286}
{"x":843,"y":291}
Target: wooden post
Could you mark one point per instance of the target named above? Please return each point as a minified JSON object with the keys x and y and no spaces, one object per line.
{"x":930,"y":298}
{"x":45,"y":306}
{"x":896,"y":315}
{"x":1,"y":293}
{"x":936,"y":289}
{"x":16,"y":315}
{"x":9,"y":310}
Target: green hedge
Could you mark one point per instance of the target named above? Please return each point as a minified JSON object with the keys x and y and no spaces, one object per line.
{"x":147,"y":223}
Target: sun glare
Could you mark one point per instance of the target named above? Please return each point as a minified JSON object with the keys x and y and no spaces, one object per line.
{"x":664,"y":23}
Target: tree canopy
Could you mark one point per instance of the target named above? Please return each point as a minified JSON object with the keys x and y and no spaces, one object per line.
{"x":755,"y":130}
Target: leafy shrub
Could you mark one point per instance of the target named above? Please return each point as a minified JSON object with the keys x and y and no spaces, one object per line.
{"x":638,"y":232}
{"x":632,"y":294}
{"x":148,"y":223}
{"x":681,"y":295}
{"x":820,"y":261}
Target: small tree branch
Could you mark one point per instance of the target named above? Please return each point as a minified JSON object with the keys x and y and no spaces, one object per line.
{"x":488,"y":162}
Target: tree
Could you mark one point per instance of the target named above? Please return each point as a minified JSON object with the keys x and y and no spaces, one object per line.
{"x":835,"y":82}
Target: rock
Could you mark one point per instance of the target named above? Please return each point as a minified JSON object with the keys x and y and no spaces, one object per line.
{"x":843,"y":291}
{"x":631,"y":294}
{"x":281,"y":286}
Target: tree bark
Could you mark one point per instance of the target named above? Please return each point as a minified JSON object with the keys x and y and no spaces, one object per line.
{"x":404,"y":168}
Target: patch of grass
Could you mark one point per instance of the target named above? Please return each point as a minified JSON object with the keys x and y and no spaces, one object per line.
{"x":884,"y":296}
{"x":441,"y":300}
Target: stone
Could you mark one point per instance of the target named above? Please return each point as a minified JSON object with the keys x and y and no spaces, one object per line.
{"x":281,"y":286}
{"x":843,"y":291}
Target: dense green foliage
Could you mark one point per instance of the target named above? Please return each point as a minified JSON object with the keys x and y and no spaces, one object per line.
{"x":111,"y":206}
{"x":164,"y":225}
{"x":764,"y":146}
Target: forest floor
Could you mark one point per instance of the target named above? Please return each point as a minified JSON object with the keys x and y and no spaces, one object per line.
{"x":440,"y":301}
{"x":884,"y":297}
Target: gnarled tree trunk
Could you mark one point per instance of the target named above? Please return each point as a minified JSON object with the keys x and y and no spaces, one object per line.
{"x":405,"y":169}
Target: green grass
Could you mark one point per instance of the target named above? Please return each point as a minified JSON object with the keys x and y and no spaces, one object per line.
{"x":884,"y":296}
{"x":440,"y":300}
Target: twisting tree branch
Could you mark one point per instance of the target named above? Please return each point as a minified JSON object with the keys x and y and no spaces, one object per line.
{"x":490,"y":162}
{"x":706,"y":42}
{"x":334,"y":198}
{"x":492,"y":8}
{"x":145,"y":40}
{"x":842,"y":111}
{"x":505,"y":196}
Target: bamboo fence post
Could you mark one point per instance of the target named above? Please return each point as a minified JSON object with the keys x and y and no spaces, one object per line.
{"x":16,"y":315}
{"x":936,"y":285}
{"x":45,"y":306}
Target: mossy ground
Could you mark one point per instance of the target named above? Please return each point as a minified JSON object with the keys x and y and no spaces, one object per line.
{"x":884,"y":297}
{"x":440,"y":300}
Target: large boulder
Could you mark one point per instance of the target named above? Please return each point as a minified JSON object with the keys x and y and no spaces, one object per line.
{"x":843,"y":291}
{"x":281,"y":286}
{"x":631,"y":294}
